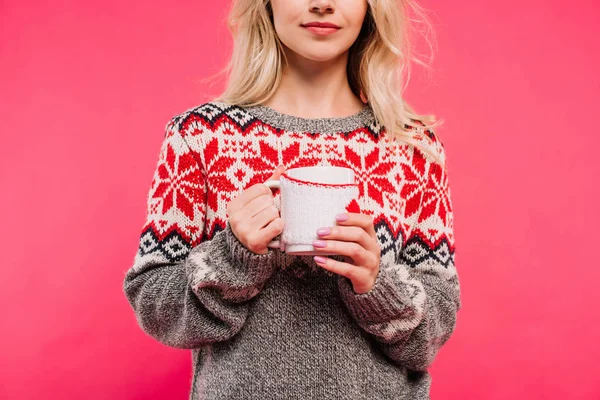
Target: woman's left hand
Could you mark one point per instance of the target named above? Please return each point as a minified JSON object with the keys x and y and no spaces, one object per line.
{"x":354,"y":237}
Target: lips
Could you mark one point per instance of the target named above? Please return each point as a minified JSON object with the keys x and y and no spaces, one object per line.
{"x":321,"y":25}
{"x":321,"y":28}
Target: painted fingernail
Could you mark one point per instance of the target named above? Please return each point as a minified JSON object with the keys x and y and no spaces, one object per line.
{"x":324,"y":231}
{"x":320,"y":260}
{"x":319,"y":243}
{"x":341,"y":217}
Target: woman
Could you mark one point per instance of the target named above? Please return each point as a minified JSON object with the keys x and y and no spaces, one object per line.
{"x":311,"y":82}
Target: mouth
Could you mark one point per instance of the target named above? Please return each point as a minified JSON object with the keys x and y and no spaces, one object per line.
{"x":321,"y":28}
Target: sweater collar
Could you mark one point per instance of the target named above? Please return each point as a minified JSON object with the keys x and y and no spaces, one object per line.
{"x":330,"y":125}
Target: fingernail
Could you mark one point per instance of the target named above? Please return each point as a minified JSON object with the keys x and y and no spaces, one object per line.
{"x":320,"y":260}
{"x":319,"y":243}
{"x":324,"y":231}
{"x":341,"y":217}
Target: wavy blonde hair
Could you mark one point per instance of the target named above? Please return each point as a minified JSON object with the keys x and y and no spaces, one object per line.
{"x":378,"y":70}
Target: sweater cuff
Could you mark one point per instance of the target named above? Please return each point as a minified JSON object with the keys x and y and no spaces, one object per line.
{"x":392,"y":297}
{"x":259,"y":266}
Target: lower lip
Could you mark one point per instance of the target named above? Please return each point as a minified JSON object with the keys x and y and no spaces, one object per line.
{"x":317,"y":30}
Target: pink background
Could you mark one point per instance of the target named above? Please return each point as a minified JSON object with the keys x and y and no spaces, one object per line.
{"x":86,"y":92}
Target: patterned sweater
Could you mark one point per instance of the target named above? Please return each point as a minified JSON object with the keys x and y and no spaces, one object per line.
{"x":277,"y":326}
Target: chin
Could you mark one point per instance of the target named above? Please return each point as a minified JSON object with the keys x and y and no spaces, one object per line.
{"x":321,"y":56}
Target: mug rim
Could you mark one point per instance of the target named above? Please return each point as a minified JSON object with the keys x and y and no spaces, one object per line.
{"x":320,"y":167}
{"x":319,"y":184}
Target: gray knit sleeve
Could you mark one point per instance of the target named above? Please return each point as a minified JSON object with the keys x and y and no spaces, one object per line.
{"x":186,"y":290}
{"x":411,"y":311}
{"x":201,"y":299}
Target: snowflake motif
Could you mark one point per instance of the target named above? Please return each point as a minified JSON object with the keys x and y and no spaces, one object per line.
{"x":177,"y":182}
{"x":436,"y":196}
{"x":371,"y":173}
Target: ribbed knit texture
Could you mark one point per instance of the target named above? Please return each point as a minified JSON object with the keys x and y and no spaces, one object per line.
{"x":277,"y":326}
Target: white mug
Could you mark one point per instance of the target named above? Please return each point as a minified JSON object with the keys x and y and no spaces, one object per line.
{"x":311,"y":197}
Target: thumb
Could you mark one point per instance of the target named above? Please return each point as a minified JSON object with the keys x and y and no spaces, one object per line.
{"x":277,"y":173}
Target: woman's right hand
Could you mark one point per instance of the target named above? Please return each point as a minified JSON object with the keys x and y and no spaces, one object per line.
{"x":253,"y":217}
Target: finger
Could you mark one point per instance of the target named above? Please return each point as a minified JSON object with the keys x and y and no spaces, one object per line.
{"x":356,"y":252}
{"x":273,"y":229}
{"x":255,"y":191}
{"x":266,"y":234}
{"x":264,"y":217}
{"x":350,"y":271}
{"x":349,"y":234}
{"x":244,"y":215}
{"x":277,"y":174}
{"x":247,"y":196}
{"x":256,"y":205}
{"x":354,"y":219}
{"x":251,"y":201}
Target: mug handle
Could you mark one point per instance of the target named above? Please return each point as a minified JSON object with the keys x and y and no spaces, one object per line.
{"x":275,"y":244}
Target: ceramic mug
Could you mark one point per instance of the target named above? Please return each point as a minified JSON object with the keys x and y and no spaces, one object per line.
{"x":311,"y":197}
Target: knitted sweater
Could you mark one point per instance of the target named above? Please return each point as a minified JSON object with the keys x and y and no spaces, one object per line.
{"x":278,"y":326}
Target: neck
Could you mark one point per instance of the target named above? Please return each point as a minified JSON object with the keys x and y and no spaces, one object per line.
{"x":315,"y":89}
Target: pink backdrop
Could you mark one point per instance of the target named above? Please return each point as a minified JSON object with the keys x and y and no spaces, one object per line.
{"x":86,"y":92}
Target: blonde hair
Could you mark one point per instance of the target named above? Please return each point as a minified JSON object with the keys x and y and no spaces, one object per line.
{"x":379,"y":64}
